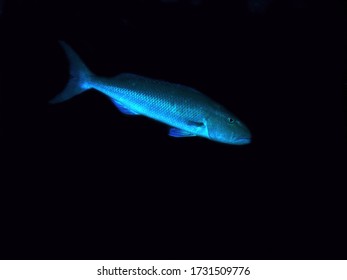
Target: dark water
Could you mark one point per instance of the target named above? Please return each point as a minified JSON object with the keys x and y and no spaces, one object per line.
{"x":81,"y":180}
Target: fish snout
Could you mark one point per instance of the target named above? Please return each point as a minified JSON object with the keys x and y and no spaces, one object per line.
{"x":243,"y":141}
{"x":244,"y":136}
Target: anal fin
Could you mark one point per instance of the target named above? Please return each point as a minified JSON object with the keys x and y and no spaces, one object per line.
{"x":123,"y":109}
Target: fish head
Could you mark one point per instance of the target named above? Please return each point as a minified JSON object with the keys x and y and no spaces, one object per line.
{"x":226,"y":128}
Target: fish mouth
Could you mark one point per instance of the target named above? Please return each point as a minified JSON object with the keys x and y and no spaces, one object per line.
{"x":242,"y":141}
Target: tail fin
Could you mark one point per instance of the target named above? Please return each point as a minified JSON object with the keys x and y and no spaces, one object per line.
{"x":80,"y":76}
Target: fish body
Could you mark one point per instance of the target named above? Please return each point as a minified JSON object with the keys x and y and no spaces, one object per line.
{"x":187,"y":111}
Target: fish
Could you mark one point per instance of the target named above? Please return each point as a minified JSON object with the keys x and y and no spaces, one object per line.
{"x":187,"y":111}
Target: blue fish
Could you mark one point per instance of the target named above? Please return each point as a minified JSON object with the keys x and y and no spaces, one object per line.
{"x":187,"y":111}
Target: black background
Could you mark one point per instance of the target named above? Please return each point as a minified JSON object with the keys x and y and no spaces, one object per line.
{"x":82,"y":181}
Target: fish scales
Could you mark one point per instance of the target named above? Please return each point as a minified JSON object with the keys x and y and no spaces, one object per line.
{"x":157,"y":99}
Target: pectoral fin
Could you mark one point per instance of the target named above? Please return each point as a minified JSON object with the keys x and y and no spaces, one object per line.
{"x":123,"y":109}
{"x":176,"y":132}
{"x":196,"y":124}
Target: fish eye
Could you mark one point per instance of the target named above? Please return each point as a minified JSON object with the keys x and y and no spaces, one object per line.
{"x":231,"y":120}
